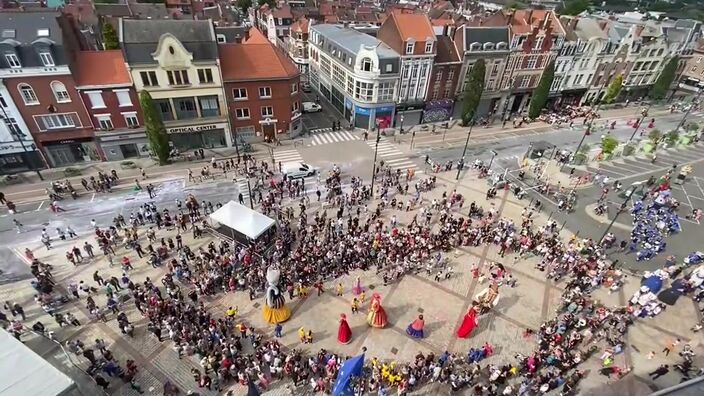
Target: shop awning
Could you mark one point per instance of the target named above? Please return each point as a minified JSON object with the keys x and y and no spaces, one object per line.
{"x":242,"y":219}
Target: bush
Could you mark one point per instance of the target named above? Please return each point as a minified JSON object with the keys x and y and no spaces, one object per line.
{"x":580,"y":158}
{"x":628,"y":149}
{"x":128,"y":165}
{"x":672,"y":137}
{"x":68,"y":172}
{"x":608,"y":144}
{"x":655,"y":135}
{"x":692,"y":127}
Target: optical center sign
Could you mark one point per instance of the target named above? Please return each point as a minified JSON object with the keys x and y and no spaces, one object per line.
{"x":195,"y":128}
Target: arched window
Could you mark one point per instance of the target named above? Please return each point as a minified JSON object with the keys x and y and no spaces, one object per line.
{"x":60,"y":92}
{"x":475,"y":47}
{"x":367,"y":64}
{"x":488,"y":46}
{"x":28,"y":95}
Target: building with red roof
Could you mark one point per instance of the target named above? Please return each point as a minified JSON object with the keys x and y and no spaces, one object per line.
{"x":261,"y":89}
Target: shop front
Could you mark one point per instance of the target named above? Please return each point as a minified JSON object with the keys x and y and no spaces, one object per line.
{"x":14,"y":158}
{"x":369,"y":117}
{"x":70,"y":151}
{"x":191,"y":137}
{"x":122,"y":145}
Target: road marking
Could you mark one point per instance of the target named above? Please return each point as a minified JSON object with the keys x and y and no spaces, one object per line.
{"x":696,"y":181}
{"x":40,"y":206}
{"x":92,"y":198}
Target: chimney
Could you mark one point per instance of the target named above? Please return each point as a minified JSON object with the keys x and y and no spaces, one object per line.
{"x":529,"y":18}
{"x":573,"y":23}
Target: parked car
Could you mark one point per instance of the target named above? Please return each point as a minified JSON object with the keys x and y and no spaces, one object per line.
{"x":311,"y":107}
{"x":306,"y":87}
{"x":297,"y":170}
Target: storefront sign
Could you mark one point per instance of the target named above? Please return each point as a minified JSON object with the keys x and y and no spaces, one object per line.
{"x":385,"y":109}
{"x":13,"y":147}
{"x":195,"y":128}
{"x":362,"y":110}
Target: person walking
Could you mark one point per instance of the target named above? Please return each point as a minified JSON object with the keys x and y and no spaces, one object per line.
{"x":277,"y":330}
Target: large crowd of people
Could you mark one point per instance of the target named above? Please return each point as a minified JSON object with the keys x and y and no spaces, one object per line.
{"x":315,"y":245}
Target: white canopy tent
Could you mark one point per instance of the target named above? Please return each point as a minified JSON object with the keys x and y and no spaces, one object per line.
{"x":23,"y":372}
{"x":242,"y":219}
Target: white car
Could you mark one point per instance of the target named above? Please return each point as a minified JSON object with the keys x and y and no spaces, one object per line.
{"x":311,"y":107}
{"x":297,"y":170}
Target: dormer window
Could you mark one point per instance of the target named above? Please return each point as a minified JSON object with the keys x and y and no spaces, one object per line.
{"x":475,"y":47}
{"x":488,"y":46}
{"x":13,"y":61}
{"x":46,"y":58}
{"x":429,"y":47}
{"x":410,"y":46}
{"x":367,"y":64}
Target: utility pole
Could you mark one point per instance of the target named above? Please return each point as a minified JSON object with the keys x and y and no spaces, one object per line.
{"x":639,"y":125}
{"x":686,"y":113}
{"x":249,"y":190}
{"x":464,"y":152}
{"x":376,"y":151}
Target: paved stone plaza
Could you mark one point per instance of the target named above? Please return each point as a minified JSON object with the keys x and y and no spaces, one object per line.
{"x":443,"y":305}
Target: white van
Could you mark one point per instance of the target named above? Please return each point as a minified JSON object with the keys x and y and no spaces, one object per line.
{"x":297,"y":170}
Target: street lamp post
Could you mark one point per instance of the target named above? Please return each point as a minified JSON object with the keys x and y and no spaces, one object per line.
{"x":464,"y":152}
{"x":621,"y":208}
{"x":491,"y":161}
{"x":413,"y":136}
{"x":686,"y":113}
{"x":401,"y":130}
{"x":20,"y":137}
{"x":376,"y":151}
{"x":249,"y":191}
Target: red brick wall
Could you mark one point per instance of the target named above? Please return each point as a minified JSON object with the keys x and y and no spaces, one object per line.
{"x":112,"y":106}
{"x":281,"y":101}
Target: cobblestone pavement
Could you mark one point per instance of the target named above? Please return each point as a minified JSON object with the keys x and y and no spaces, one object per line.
{"x":443,"y":304}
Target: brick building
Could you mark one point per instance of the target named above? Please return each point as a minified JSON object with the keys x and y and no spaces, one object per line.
{"x":106,"y":89}
{"x":261,"y":89}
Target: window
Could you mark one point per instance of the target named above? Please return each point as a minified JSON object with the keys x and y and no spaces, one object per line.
{"x":389,"y":68}
{"x":13,"y":61}
{"x":294,"y":107}
{"x":294,"y":88}
{"x":532,"y":61}
{"x":46,"y":59}
{"x":131,"y":119}
{"x":385,"y":92}
{"x":149,"y":78}
{"x":209,"y":106}
{"x":123,"y":98}
{"x":60,"y":92}
{"x":363,"y":91}
{"x":185,"y":108}
{"x":105,"y":122}
{"x":221,"y":38}
{"x":15,"y":131}
{"x":523,"y":81}
{"x":56,"y":121}
{"x":96,"y":100}
{"x":28,"y":95}
{"x":164,"y":107}
{"x":265,"y":92}
{"x":410,"y":46}
{"x":267,"y":111}
{"x":42,"y":32}
{"x":178,"y":77}
{"x":246,"y":132}
{"x":436,"y":92}
{"x":242,"y":113}
{"x":429,"y":47}
{"x":366,"y":64}
{"x":239,"y":93}
{"x":450,"y":75}
{"x":338,"y":75}
{"x":447,"y":92}
{"x":205,"y":76}
{"x":539,"y":43}
{"x":3,"y":103}
{"x":438,"y":75}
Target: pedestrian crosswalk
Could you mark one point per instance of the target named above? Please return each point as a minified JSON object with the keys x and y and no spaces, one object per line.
{"x":391,"y":155}
{"x":287,"y":155}
{"x":327,"y":136}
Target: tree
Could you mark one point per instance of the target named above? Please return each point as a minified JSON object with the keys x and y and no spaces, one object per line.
{"x":244,"y":5}
{"x":655,"y":136}
{"x":540,"y":95}
{"x":662,"y":84}
{"x":575,"y":7}
{"x":608,"y":144}
{"x":154,"y":126}
{"x":473,"y":91}
{"x":614,"y":89}
{"x":110,"y":41}
{"x":672,"y":137}
{"x":270,"y":3}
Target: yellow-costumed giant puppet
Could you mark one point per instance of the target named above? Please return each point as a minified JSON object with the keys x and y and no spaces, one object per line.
{"x":275,"y":310}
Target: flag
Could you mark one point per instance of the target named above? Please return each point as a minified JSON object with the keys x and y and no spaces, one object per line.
{"x":251,"y":388}
{"x":351,"y":367}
